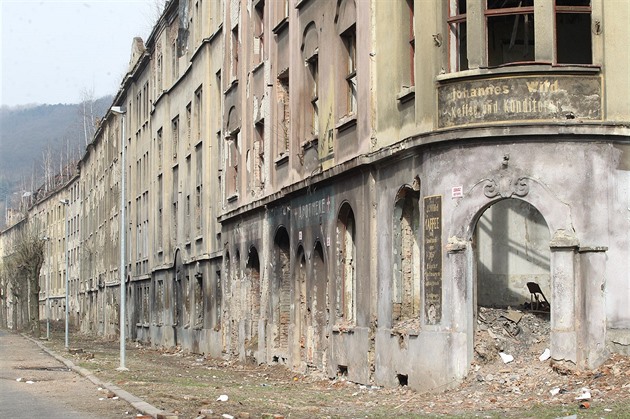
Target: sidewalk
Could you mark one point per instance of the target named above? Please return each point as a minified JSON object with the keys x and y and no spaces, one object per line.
{"x":142,"y":406}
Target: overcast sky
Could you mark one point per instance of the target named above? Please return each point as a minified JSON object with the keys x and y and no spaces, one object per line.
{"x":53,"y":50}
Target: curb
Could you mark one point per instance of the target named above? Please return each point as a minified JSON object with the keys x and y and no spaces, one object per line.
{"x":137,"y":403}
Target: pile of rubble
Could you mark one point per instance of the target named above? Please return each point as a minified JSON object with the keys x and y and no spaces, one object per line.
{"x":511,"y":334}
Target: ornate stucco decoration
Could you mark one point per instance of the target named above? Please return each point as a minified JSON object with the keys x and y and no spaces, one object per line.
{"x":506,"y":186}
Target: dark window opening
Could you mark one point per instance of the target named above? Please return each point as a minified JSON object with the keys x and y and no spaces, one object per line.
{"x":510,"y":31}
{"x":573,"y":32}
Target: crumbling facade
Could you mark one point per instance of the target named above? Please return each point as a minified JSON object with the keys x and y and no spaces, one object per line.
{"x":338,"y":185}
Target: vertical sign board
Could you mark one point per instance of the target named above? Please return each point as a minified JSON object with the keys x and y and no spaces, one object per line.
{"x":433,"y":259}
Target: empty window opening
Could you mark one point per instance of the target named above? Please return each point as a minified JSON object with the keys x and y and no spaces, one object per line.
{"x":187,"y":300}
{"x":198,"y":296}
{"x":346,"y":284}
{"x":259,"y":32}
{"x":510,"y":31}
{"x":406,"y":286}
{"x":573,"y":32}
{"x":253,"y":276}
{"x":284,"y":114}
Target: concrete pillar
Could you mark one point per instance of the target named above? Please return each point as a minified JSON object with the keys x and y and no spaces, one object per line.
{"x":563,"y":296}
{"x":460,"y":302}
{"x":592,"y":315}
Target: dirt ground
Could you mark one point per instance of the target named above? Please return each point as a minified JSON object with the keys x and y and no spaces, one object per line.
{"x":525,"y":387}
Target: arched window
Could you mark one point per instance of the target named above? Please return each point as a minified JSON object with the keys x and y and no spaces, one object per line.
{"x":406,"y":252}
{"x":346,"y":265}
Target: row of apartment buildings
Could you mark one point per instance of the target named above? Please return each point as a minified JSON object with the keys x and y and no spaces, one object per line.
{"x":338,"y":184}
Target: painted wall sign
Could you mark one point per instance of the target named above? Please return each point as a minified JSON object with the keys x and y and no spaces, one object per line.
{"x":530,"y":98}
{"x":457,"y":191}
{"x":312,"y":209}
{"x":433,"y":258}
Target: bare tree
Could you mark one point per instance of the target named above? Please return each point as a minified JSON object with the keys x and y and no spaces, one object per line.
{"x":86,"y":108}
{"x":20,"y":274}
{"x":47,"y":167}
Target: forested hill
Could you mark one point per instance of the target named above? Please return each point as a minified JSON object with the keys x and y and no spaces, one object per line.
{"x":28,"y":132}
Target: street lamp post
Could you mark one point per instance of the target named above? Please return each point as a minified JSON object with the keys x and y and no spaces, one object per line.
{"x":120,"y":110}
{"x":66,"y":203}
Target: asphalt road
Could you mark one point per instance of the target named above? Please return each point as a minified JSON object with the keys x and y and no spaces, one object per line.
{"x":33,"y":384}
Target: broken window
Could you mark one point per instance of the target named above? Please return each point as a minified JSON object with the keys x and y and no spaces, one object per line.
{"x":187,"y":302}
{"x":457,"y":35}
{"x":174,"y":62}
{"x":284,"y":114}
{"x":573,"y":28}
{"x":159,"y":301}
{"x":160,"y":206}
{"x":198,"y":189}
{"x":253,"y":275}
{"x":259,"y":155}
{"x":259,"y":28}
{"x":233,"y":158}
{"x":406,"y":287}
{"x":346,"y":279}
{"x":174,"y":201}
{"x":349,"y":38}
{"x":410,"y":67}
{"x":510,"y":31}
{"x":159,"y":147}
{"x":313,"y":68}
{"x":281,"y":295}
{"x":198,"y":297}
{"x":175,"y":136}
{"x":198,"y":115}
{"x":234,"y":52}
{"x":158,"y":72}
{"x":188,"y":124}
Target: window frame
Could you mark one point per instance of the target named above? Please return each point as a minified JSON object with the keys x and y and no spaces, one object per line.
{"x":544,"y":34}
{"x":454,"y":50}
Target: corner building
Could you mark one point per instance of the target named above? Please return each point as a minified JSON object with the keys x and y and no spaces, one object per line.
{"x":393,"y":165}
{"x":339,"y":185}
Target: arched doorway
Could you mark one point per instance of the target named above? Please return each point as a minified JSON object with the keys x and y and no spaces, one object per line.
{"x":280,"y":299}
{"x":226,"y":301}
{"x":236,"y":312}
{"x":303,"y":353}
{"x":321,"y":305}
{"x":178,"y":267}
{"x":252,"y":272}
{"x":511,"y":258}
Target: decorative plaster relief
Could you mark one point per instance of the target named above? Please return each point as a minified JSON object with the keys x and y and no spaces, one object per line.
{"x":506,"y":186}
